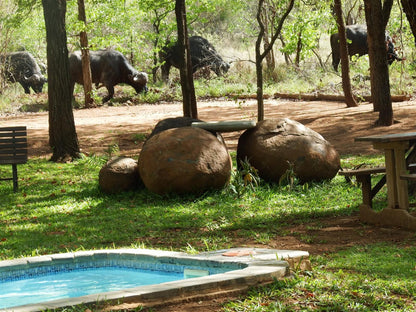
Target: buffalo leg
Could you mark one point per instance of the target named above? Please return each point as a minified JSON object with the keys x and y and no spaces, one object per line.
{"x":110,"y":93}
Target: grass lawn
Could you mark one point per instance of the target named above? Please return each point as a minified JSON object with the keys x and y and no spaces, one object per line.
{"x":60,"y":208}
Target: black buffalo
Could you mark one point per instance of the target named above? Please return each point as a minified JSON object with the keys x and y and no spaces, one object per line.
{"x":21,"y":67}
{"x":108,"y":68}
{"x":357,"y":44}
{"x":203,"y":54}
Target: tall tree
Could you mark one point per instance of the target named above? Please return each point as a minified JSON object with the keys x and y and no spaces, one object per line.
{"x":261,"y":55}
{"x":343,"y":49}
{"x":85,"y":57}
{"x":377,"y":13}
{"x":185,"y":68}
{"x":409,"y":8}
{"x":62,"y":135}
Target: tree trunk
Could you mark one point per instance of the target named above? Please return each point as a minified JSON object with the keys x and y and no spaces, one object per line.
{"x":409,"y":8}
{"x":62,"y":135}
{"x":261,"y":55}
{"x":85,"y":58}
{"x":343,"y":50}
{"x":270,"y":60}
{"x":185,"y":68}
{"x":379,"y":73}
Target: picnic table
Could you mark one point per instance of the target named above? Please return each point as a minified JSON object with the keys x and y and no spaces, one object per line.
{"x":398,"y":150}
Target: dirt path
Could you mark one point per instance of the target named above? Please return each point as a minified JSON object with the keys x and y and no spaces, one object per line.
{"x":126,"y":126}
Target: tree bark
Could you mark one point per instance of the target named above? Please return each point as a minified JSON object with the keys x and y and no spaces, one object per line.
{"x":62,"y":135}
{"x":261,"y":55}
{"x":343,"y":49}
{"x":375,"y":14}
{"x":85,"y":58}
{"x":185,"y":68}
{"x":409,"y":8}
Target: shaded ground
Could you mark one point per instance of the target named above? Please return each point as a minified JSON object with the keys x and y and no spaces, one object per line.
{"x":127,"y":127}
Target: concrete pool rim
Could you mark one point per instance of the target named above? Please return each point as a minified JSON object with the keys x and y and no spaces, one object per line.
{"x":252,"y":266}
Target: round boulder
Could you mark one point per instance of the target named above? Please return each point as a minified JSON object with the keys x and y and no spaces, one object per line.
{"x":184,"y":160}
{"x":273,"y":145}
{"x":119,"y":174}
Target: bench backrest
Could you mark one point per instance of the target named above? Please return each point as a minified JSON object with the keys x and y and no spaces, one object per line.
{"x":13,"y":145}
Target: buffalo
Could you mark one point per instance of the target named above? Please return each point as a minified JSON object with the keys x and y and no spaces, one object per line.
{"x":108,"y":68}
{"x":21,"y":67}
{"x":203,"y":54}
{"x":357,"y":44}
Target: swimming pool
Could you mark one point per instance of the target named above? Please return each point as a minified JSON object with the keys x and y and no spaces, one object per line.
{"x":187,"y":275}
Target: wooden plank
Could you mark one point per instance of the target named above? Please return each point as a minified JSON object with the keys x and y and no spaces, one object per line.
{"x":362,"y":171}
{"x":12,"y":134}
{"x":13,"y":128}
{"x":400,"y":168}
{"x":391,"y":179}
{"x":408,"y":176}
{"x":12,"y":141}
{"x":18,"y":160}
{"x":388,"y":137}
{"x":11,"y":150}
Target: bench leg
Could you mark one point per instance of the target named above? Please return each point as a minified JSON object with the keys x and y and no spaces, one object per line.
{"x":365,"y":181}
{"x":15,"y":186}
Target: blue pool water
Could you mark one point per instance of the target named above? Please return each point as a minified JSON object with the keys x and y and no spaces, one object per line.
{"x":76,"y":283}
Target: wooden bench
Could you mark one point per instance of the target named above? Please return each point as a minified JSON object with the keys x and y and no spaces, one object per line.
{"x":363,"y":176}
{"x":13,"y":150}
{"x":408,"y":176}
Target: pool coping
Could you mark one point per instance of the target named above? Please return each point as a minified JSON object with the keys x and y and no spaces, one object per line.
{"x":263,"y":265}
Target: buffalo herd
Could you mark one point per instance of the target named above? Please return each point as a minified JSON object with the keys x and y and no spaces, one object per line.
{"x":110,"y":67}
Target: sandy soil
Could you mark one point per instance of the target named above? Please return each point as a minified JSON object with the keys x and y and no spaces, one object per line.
{"x":99,"y":128}
{"x":126,"y":126}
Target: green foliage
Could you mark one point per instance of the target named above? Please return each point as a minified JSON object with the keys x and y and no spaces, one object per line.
{"x":289,"y":177}
{"x":304,"y":27}
{"x":244,"y":179}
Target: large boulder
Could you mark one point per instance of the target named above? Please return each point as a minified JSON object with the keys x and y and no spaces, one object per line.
{"x":184,"y":160}
{"x":274,"y":145}
{"x":119,"y":174}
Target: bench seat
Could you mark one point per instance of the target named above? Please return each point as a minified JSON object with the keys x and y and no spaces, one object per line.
{"x":363,"y":176}
{"x":13,"y":150}
{"x":408,"y":176}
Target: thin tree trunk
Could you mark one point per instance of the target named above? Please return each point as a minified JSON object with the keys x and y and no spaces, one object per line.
{"x":343,"y":49}
{"x":62,"y":135}
{"x":85,"y":58}
{"x":260,"y":56}
{"x":187,"y":81}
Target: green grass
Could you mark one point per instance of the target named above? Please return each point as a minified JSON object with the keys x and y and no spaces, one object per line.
{"x":60,"y":208}
{"x":380,"y":277}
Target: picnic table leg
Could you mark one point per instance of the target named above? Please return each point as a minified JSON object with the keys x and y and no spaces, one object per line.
{"x":390,"y":179}
{"x":365,"y":181}
{"x":401,"y":168}
{"x":15,"y":184}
